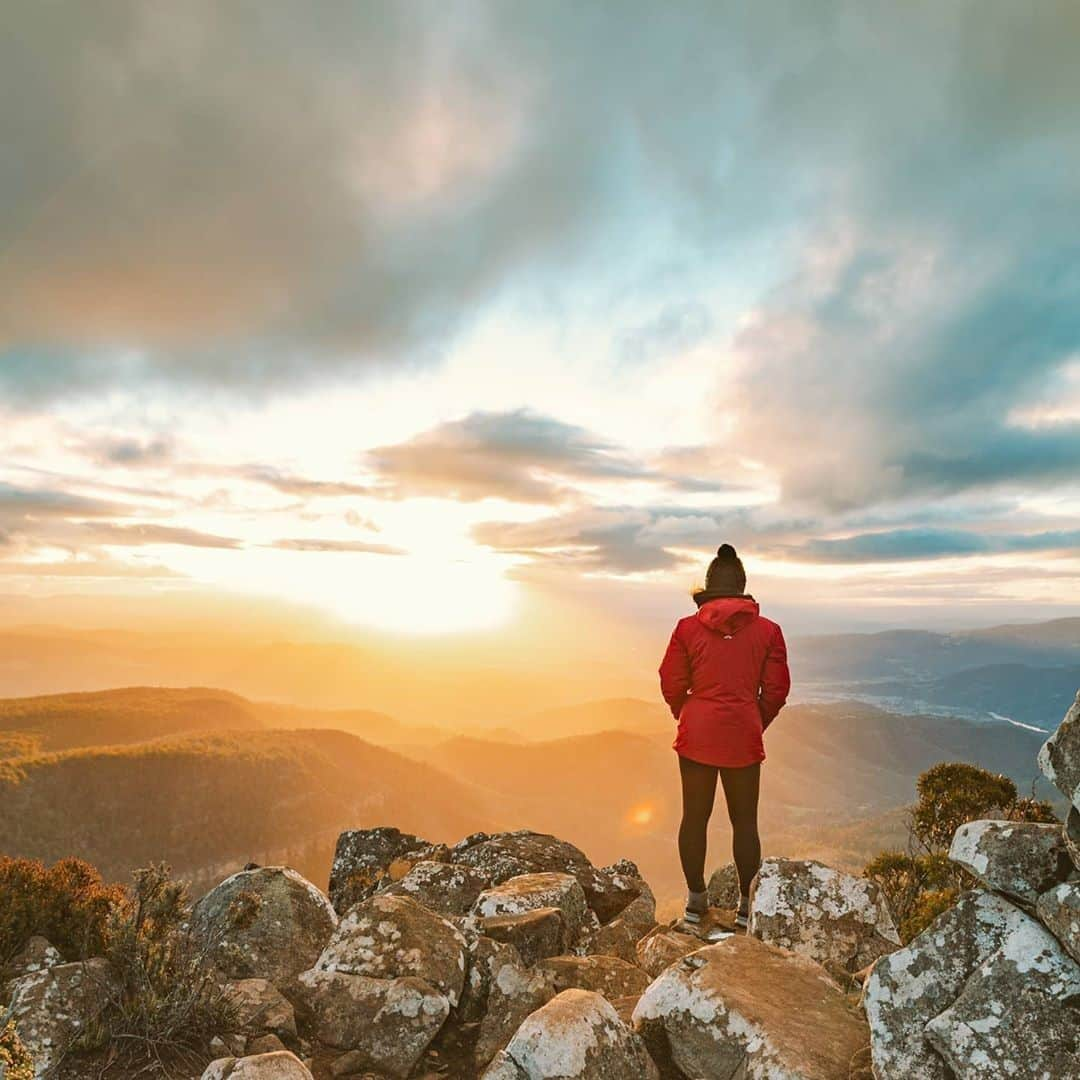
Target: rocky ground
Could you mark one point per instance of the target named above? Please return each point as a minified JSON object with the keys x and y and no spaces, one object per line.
{"x":512,"y":957}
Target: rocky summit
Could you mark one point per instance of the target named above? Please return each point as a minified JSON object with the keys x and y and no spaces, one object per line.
{"x":511,"y":956}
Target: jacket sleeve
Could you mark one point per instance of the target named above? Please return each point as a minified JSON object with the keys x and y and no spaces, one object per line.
{"x":775,"y":679}
{"x":675,"y":674}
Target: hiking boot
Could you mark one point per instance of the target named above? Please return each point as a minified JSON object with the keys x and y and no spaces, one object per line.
{"x":742,"y":916}
{"x":697,"y":906}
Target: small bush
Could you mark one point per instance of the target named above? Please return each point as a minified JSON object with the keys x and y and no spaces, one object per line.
{"x":168,"y":1003}
{"x":14,"y":1057}
{"x":68,"y":903}
{"x":921,"y":883}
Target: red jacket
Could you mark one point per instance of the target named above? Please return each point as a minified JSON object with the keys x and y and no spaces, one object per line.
{"x":725,"y":677}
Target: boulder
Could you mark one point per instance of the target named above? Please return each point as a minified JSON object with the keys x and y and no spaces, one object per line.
{"x":535,"y":934}
{"x":386,"y":937}
{"x":1059,"y":757}
{"x":908,"y":988}
{"x":389,"y":1023}
{"x":1017,"y":1014}
{"x":485,"y":958}
{"x":744,"y":1008}
{"x":723,"y":887}
{"x":575,"y":1036}
{"x":514,"y":993}
{"x":1071,"y":833}
{"x":1019,"y":859}
{"x":261,"y":1007}
{"x":502,"y":856}
{"x":661,"y":948}
{"x":605,"y":975}
{"x":1059,"y":910}
{"x":499,"y":857}
{"x":528,"y":892}
{"x":37,"y":954}
{"x":366,"y":860}
{"x":610,"y":890}
{"x":265,"y":1044}
{"x":275,"y":1066}
{"x":620,"y":936}
{"x":839,"y":920}
{"x":440,"y":887}
{"x":268,"y":923}
{"x":51,"y":1007}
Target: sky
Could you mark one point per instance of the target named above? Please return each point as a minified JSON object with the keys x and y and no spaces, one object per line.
{"x":421,"y":318}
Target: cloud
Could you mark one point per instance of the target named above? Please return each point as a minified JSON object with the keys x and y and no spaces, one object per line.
{"x":113,"y":534}
{"x":224,"y":195}
{"x":291,"y":484}
{"x":619,"y":540}
{"x":309,"y":544}
{"x":20,"y":504}
{"x":517,"y":455}
{"x":900,"y":545}
{"x":131,"y":451}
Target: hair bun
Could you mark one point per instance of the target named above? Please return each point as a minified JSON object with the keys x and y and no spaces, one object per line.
{"x":726,"y":551}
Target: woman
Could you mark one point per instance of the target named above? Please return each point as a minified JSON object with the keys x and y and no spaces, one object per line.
{"x":725,"y":677}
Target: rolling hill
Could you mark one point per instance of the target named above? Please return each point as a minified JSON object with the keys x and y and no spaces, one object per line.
{"x":209,"y":803}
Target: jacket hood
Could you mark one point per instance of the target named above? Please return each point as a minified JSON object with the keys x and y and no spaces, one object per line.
{"x":728,"y":614}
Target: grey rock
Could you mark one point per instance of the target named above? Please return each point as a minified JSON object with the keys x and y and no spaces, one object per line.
{"x":723,"y":887}
{"x":1017,"y":1014}
{"x":1071,"y":832}
{"x":484,"y":959}
{"x":1059,"y":757}
{"x":661,"y":948}
{"x":608,"y":890}
{"x":606,"y":975}
{"x":835,"y":918}
{"x":280,"y":1065}
{"x":265,"y":1044}
{"x":366,"y":860}
{"x":528,"y":892}
{"x":288,"y":926}
{"x":908,"y":988}
{"x":37,"y":954}
{"x":386,"y":937}
{"x":742,"y":1008}
{"x":261,"y":1007}
{"x":388,"y":1022}
{"x":440,"y":887}
{"x":51,"y":1007}
{"x":513,"y":993}
{"x":620,"y":936}
{"x":1019,"y":859}
{"x":575,"y":1036}
{"x":1059,"y":910}
{"x":535,"y":934}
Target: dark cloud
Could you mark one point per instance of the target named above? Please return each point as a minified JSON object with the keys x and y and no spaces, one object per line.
{"x":241,"y":194}
{"x":901,"y":545}
{"x":307,"y":544}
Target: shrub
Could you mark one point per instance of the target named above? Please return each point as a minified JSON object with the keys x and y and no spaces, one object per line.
{"x":168,"y":1002}
{"x":921,"y":883}
{"x":15,"y":1060}
{"x":68,"y":903}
